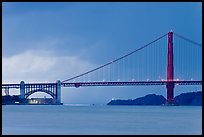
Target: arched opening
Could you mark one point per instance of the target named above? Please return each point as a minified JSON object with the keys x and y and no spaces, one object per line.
{"x":40,"y":96}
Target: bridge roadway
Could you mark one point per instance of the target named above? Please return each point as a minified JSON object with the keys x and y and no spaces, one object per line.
{"x":82,"y":84}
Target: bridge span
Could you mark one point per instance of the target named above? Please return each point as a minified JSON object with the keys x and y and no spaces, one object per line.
{"x":116,"y":68}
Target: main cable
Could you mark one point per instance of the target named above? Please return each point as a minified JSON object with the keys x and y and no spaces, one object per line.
{"x":115,"y":59}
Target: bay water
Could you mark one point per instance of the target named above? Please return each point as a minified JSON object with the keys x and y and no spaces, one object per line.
{"x":85,"y":119}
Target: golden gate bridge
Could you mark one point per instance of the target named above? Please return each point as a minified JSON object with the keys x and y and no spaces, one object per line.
{"x":160,"y":62}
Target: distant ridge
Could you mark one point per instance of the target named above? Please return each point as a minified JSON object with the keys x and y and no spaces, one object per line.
{"x":184,"y":99}
{"x":189,"y":99}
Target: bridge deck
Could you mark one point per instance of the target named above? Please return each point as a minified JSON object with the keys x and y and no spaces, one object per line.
{"x":78,"y":84}
{"x":135,"y":83}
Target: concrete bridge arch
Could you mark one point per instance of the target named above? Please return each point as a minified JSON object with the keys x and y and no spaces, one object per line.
{"x":40,"y":90}
{"x":53,"y":89}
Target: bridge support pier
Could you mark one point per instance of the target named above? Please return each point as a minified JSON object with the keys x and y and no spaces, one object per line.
{"x":22,"y":89}
{"x":170,"y":93}
{"x":58,"y":92}
{"x":7,"y":90}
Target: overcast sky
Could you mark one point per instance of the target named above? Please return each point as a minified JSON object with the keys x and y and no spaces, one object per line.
{"x":46,"y":42}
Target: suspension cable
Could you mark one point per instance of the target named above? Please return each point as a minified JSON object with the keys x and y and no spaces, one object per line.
{"x":115,"y":59}
{"x":198,"y":44}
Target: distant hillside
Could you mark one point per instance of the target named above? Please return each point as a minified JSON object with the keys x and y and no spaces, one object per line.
{"x":190,"y":99}
{"x":150,"y":99}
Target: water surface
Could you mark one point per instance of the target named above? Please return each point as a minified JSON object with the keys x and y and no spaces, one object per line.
{"x":101,"y":120}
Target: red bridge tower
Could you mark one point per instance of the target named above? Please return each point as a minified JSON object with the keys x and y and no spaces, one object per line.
{"x":170,"y":70}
